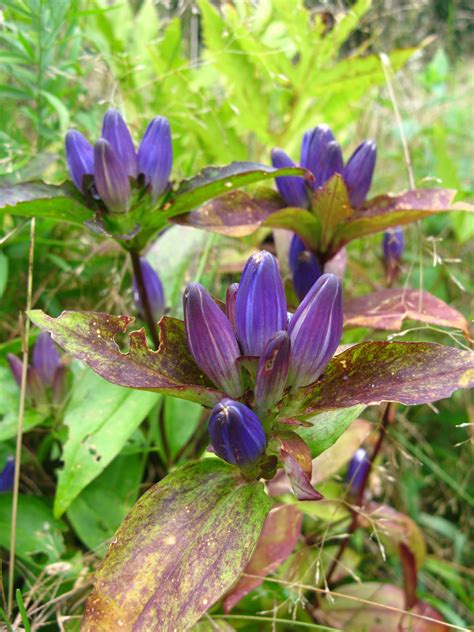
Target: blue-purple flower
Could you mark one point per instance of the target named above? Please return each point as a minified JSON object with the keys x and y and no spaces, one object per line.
{"x":304,"y":267}
{"x":322,"y":156}
{"x":393,"y":244}
{"x":291,"y":351}
{"x":236,"y":434}
{"x":357,"y":470}
{"x":113,"y":169}
{"x":154,"y":290}
{"x":7,"y":475}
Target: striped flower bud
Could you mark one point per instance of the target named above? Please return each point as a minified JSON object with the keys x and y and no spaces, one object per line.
{"x":393,"y":245}
{"x":116,"y":132}
{"x":45,"y":358}
{"x":359,"y":171}
{"x":291,"y":188}
{"x":314,"y":151}
{"x":236,"y":433}
{"x":154,"y":289}
{"x":111,"y":178}
{"x":211,"y":339}
{"x":315,"y":330}
{"x":7,"y":475}
{"x":272,"y":372}
{"x":357,"y":470}
{"x":79,"y":157}
{"x":260,"y":309}
{"x":332,"y":162}
{"x":304,"y":267}
{"x":230,"y":301}
{"x":155,"y":155}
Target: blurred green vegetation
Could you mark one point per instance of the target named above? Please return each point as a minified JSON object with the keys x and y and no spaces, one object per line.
{"x":236,"y":80}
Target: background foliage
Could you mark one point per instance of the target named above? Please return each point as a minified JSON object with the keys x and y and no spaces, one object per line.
{"x":234,"y":81}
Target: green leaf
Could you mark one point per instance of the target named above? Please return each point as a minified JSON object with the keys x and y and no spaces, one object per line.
{"x":100,"y":417}
{"x":331,"y":206}
{"x":375,"y":372}
{"x":100,"y":508}
{"x":171,"y":370}
{"x":328,"y":427}
{"x":180,"y":549}
{"x":215,"y":181}
{"x":37,"y":532}
{"x":3,"y":272}
{"x":304,"y":224}
{"x":9,"y":405}
{"x":37,"y":199}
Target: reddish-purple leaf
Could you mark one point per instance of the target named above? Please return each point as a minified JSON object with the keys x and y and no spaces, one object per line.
{"x":300,"y":480}
{"x":389,"y":210}
{"x":181,"y":547}
{"x":277,"y":540}
{"x":387,"y":309}
{"x":347,"y":609}
{"x":375,"y":372}
{"x":90,"y":336}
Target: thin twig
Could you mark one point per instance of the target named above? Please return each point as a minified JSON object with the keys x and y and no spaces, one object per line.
{"x":145,"y":303}
{"x":21,"y":414}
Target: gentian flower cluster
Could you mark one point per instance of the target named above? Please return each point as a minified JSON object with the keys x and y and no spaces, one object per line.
{"x":286,"y":351}
{"x":111,"y":169}
{"x":45,"y":373}
{"x":321,"y":155}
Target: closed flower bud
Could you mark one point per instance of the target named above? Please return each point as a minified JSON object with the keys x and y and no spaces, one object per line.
{"x":80,"y":157}
{"x":332,"y":162}
{"x":7,"y":475}
{"x":357,"y":470}
{"x":230,"y":300}
{"x":315,"y":330}
{"x":211,"y":339}
{"x":116,"y":132}
{"x":304,"y":266}
{"x":260,"y":309}
{"x":393,"y":245}
{"x":111,"y":178}
{"x":236,"y":433}
{"x":45,"y":358}
{"x":292,"y":188}
{"x":359,"y":171}
{"x":15,"y":365}
{"x":272,"y":372}
{"x":154,"y":290}
{"x":155,"y":155}
{"x":314,"y":151}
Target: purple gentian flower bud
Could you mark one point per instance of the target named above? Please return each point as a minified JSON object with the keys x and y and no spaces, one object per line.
{"x":79,"y":156}
{"x":116,"y":132}
{"x":45,"y":358}
{"x":230,"y":301}
{"x":154,"y":289}
{"x":260,"y":309}
{"x":211,"y":339}
{"x":236,"y":433}
{"x":357,"y":471}
{"x":111,"y":178}
{"x":15,"y":367}
{"x":7,"y":475}
{"x":292,"y":188}
{"x":304,"y":266}
{"x":155,"y":155}
{"x":332,"y":162}
{"x":359,"y":171}
{"x":272,"y":371}
{"x":315,"y":330}
{"x":392,"y":245}
{"x":314,"y":151}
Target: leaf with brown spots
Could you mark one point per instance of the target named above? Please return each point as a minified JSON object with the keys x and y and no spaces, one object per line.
{"x":179,"y":550}
{"x":387,"y":309}
{"x":374,"y":372}
{"x":277,"y":540}
{"x":90,"y":336}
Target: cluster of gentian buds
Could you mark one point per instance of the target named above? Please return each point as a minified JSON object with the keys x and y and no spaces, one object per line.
{"x":393,"y":244}
{"x":287,"y":350}
{"x":111,"y":169}
{"x":321,"y":155}
{"x":45,"y":374}
{"x":153,"y":288}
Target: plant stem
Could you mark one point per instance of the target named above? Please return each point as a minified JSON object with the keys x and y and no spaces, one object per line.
{"x":386,"y":419}
{"x":142,"y":291}
{"x":21,"y":415}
